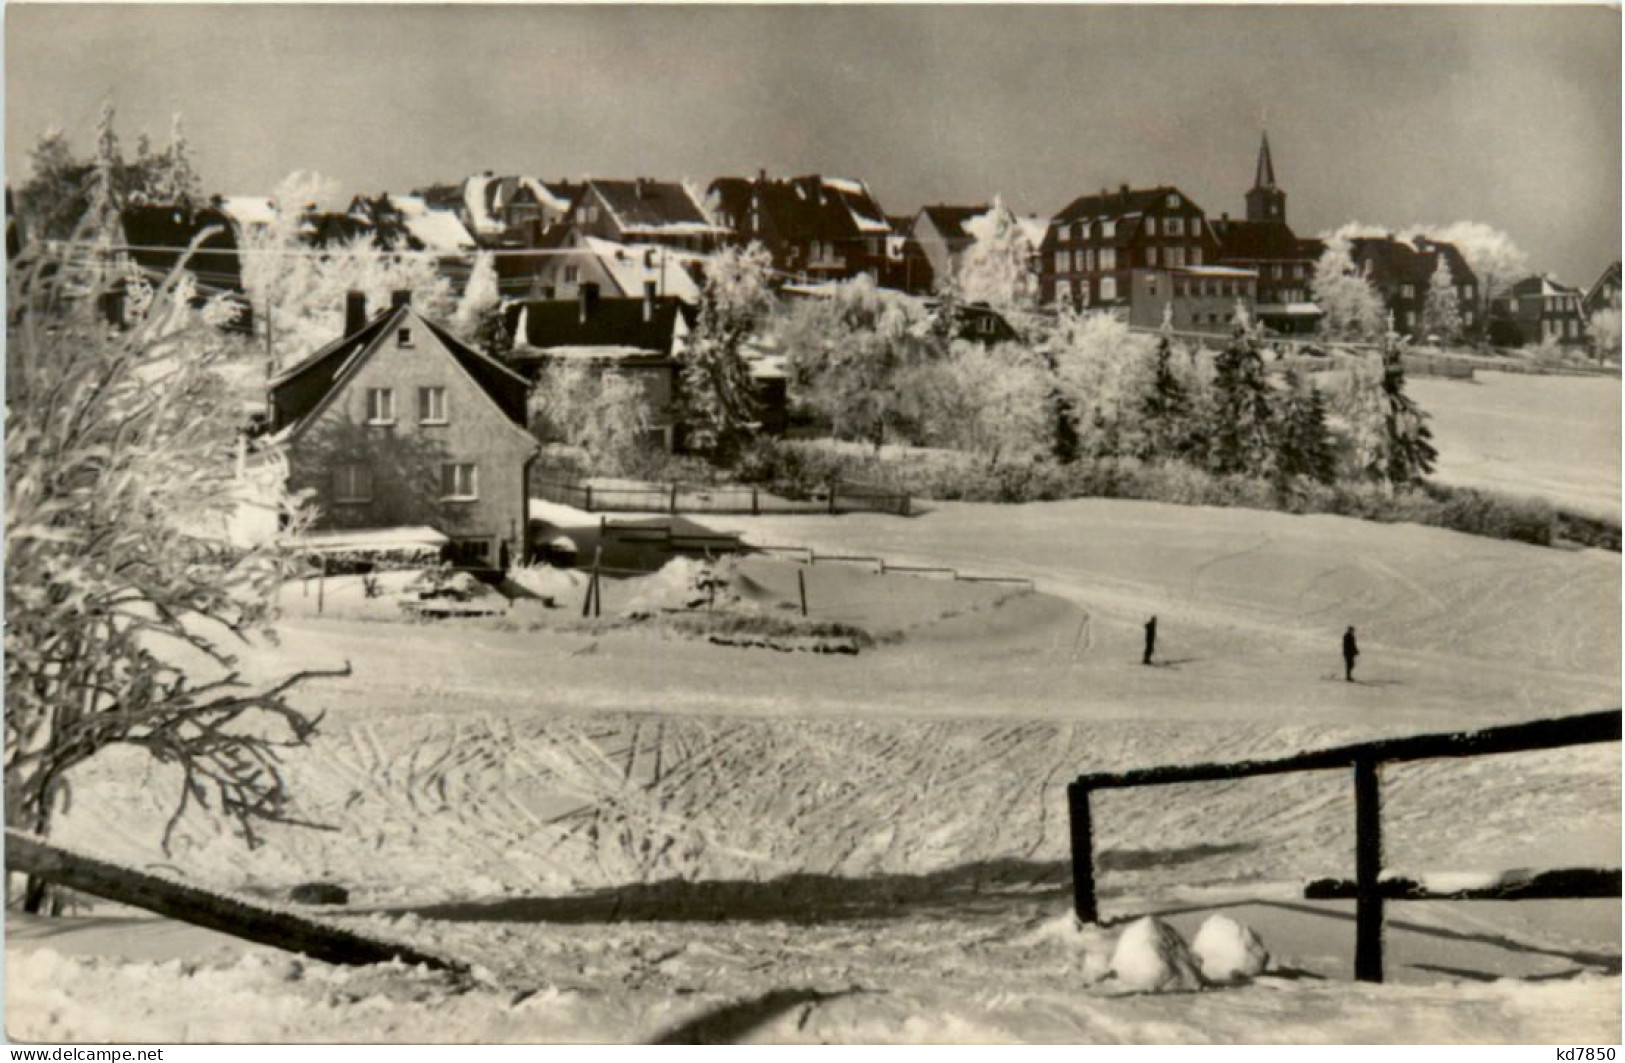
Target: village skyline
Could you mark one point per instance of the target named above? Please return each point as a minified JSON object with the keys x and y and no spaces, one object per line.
{"x":1387,"y":118}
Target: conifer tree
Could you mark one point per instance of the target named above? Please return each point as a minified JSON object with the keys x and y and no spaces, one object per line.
{"x":1166,"y":408}
{"x":1241,"y":437}
{"x":1408,"y":453}
{"x":1303,"y":443}
{"x":717,"y":402}
{"x":1441,"y":313}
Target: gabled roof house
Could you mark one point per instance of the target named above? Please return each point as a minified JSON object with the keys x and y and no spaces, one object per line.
{"x":397,"y":423}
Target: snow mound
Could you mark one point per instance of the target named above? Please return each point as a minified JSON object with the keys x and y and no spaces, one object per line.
{"x":1228,"y":950}
{"x":1151,"y":957}
{"x":680,"y":584}
{"x":547,"y":583}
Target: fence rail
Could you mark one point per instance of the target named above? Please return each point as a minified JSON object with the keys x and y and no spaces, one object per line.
{"x":842,"y":497}
{"x":1368,"y":888}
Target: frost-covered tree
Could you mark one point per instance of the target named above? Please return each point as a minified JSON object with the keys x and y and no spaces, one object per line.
{"x":996,"y":268}
{"x":68,"y":197}
{"x":1241,"y":429}
{"x":603,"y":413}
{"x":298,"y":292}
{"x":847,"y":356}
{"x":1409,"y":454}
{"x":1352,"y":307}
{"x":1441,"y":312}
{"x":480,"y":294}
{"x":717,"y":397}
{"x":1303,"y":441}
{"x":1167,"y":407}
{"x":1493,"y":257}
{"x":993,"y":402}
{"x":1103,"y":372}
{"x":1603,"y":327}
{"x":126,"y":592}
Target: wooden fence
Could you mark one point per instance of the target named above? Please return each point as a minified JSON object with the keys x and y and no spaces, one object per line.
{"x":842,"y":497}
{"x":237,"y":916}
{"x":1368,"y":888}
{"x":808,"y":556}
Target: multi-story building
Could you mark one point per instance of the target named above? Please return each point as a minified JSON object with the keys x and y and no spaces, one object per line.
{"x":1092,"y":247}
{"x":1195,"y":298}
{"x":1266,"y":244}
{"x":1538,"y":310}
{"x":815,"y":228}
{"x":1603,"y":293}
{"x":642,"y":211}
{"x":397,"y":423}
{"x":1403,"y":272}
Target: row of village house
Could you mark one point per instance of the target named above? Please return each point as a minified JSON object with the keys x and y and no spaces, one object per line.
{"x":398,"y":423}
{"x":1133,"y":251}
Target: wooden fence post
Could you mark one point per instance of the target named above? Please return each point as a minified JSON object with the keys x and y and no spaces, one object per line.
{"x":1083,"y":853}
{"x":588,"y":504}
{"x":801,"y":585}
{"x":674,"y":498}
{"x":321,"y":587}
{"x":1367,"y":871}
{"x":755,"y":503}
{"x":832,"y":491}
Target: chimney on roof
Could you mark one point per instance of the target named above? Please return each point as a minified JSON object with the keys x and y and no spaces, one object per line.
{"x":588,"y":300}
{"x":638,"y":187}
{"x":355,"y":311}
{"x":761,"y":176}
{"x":1122,"y":190}
{"x":400,"y":297}
{"x":648,"y":300}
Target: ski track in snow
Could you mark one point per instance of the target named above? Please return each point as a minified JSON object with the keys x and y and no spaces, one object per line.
{"x":857,"y":819}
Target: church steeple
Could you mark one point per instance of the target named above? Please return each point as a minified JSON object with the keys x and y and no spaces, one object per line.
{"x":1265,"y":202}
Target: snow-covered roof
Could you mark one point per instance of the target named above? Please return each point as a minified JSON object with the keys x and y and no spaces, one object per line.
{"x":1034,"y":228}
{"x":595,"y":354}
{"x":371,"y":540}
{"x":1290,"y":309}
{"x":846,"y":184}
{"x":437,"y":230}
{"x":1216,"y":271}
{"x":474,"y":203}
{"x":545,"y":195}
{"x":249,"y":211}
{"x":868,"y":224}
{"x":631,"y":265}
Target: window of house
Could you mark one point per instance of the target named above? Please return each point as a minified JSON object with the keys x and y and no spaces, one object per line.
{"x":1406,"y":291}
{"x":1151,"y":256}
{"x":1089,"y":260}
{"x":1174,"y":227}
{"x":1173,"y":201}
{"x":1108,"y":259}
{"x":1467,"y":317}
{"x":432,"y":405}
{"x":1108,"y":289}
{"x":1467,"y":292}
{"x":1080,"y":232}
{"x":470,"y":552}
{"x":1108,"y":228}
{"x":1280,"y":271}
{"x":1083,"y":293}
{"x":380,"y":405}
{"x":1174,"y":256}
{"x":1196,"y":256}
{"x":403,"y":337}
{"x":572,"y":274}
{"x":352,"y":484}
{"x":459,"y":481}
{"x":1151,"y":226}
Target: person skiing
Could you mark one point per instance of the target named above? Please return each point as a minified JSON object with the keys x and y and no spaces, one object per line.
{"x":1351,"y":650}
{"x":1150,"y":640}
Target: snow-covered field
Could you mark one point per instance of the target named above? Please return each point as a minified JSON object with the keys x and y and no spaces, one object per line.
{"x":1554,"y":437}
{"x":629,"y":832}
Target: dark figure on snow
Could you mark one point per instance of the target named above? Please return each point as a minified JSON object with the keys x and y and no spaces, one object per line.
{"x":1150,"y":640}
{"x":1351,"y":650}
